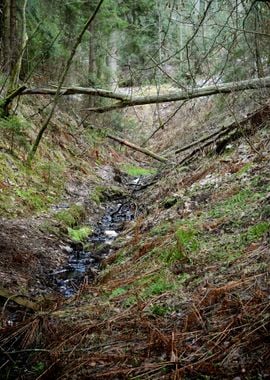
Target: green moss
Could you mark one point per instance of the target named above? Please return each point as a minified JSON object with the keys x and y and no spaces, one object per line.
{"x":66,"y":218}
{"x":72,"y":216}
{"x":130,"y":301}
{"x":169,"y":202}
{"x":160,"y":310}
{"x":14,"y":128}
{"x":33,"y":200}
{"x":137,"y":171}
{"x":256,"y":232}
{"x":80,"y":234}
{"x":232,"y":205}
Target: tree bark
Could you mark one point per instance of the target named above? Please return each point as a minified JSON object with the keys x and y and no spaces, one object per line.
{"x":16,"y":62}
{"x":138,"y":148}
{"x":128,"y":101}
{"x":76,"y":90}
{"x":92,"y":67}
{"x":192,"y":93}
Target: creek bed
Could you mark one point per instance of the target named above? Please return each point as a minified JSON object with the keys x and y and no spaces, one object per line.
{"x":84,"y":264}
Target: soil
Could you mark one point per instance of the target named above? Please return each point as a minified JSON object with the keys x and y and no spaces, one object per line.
{"x":28,"y":256}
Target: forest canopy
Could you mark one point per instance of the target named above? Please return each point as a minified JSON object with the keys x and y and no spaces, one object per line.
{"x":110,"y":45}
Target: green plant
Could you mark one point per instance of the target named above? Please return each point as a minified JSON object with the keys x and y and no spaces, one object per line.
{"x":104,"y":193}
{"x":187,"y":240}
{"x":233,"y":204}
{"x":38,"y":367}
{"x":66,"y":218}
{"x":158,"y":285}
{"x":117,"y":292}
{"x":161,"y":229}
{"x":137,"y":171}
{"x":159,"y":310}
{"x":33,"y":200}
{"x":183,"y":277}
{"x":170,"y":255}
{"x":79,"y":234}
{"x":14,"y":129}
{"x":254,"y":233}
{"x":72,"y":216}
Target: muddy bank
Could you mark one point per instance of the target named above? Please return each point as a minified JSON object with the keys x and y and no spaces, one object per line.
{"x":34,"y":259}
{"x":27,"y":254}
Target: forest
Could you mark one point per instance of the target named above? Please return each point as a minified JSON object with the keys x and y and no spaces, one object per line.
{"x":134,"y":189}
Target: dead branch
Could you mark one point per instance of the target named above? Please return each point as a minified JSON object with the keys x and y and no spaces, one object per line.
{"x":138,"y":148}
{"x":225,"y":134}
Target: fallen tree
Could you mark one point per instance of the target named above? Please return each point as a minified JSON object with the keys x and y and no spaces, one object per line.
{"x":129,"y":100}
{"x":138,"y":148}
{"x":224,"y":135}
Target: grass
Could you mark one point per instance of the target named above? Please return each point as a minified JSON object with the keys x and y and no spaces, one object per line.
{"x":159,"y":284}
{"x":72,"y":216}
{"x":137,"y":171}
{"x":79,"y":234}
{"x":34,"y":200}
{"x":232,"y":205}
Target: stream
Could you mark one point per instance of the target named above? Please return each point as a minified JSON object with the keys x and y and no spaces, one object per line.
{"x":84,"y":264}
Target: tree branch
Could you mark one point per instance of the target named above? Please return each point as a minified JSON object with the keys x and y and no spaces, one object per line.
{"x":138,"y":148}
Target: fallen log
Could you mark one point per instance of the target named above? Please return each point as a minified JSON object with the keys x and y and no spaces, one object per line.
{"x":129,"y":101}
{"x":226,"y":134}
{"x":138,"y":148}
{"x":191,"y":93}
{"x":75,"y":90}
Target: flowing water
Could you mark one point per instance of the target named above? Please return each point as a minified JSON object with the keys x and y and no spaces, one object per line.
{"x":83,"y":264}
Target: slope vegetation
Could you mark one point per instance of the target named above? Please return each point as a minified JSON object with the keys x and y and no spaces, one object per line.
{"x":185,"y":292}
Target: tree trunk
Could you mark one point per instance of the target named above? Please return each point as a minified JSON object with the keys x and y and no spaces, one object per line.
{"x":112,"y":59}
{"x":139,"y":149}
{"x":19,"y":52}
{"x":6,"y":36}
{"x":188,"y":94}
{"x":128,"y":101}
{"x":92,"y":67}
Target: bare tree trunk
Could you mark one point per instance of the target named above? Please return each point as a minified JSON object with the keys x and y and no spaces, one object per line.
{"x":191,"y":93}
{"x":258,"y":60}
{"x":112,"y":58}
{"x":138,"y":148}
{"x":1,"y":30}
{"x":6,"y":35}
{"x":129,"y":101}
{"x":92,"y":67}
{"x":18,"y":54}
